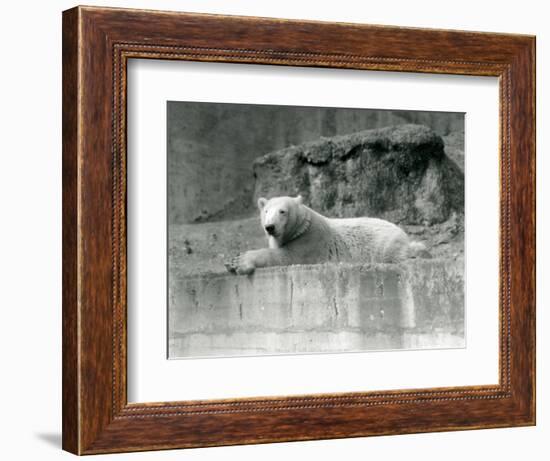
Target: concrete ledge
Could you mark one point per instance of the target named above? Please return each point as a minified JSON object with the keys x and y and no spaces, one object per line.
{"x":318,"y":308}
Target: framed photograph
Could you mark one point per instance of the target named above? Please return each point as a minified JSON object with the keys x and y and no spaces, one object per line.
{"x":281,"y":230}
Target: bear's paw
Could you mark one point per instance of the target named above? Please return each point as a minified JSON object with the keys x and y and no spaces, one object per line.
{"x":240,"y":264}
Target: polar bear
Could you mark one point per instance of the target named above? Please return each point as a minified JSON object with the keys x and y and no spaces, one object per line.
{"x":298,"y":235}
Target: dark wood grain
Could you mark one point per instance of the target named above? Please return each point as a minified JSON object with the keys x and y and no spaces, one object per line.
{"x":97,"y":43}
{"x":70,"y":384}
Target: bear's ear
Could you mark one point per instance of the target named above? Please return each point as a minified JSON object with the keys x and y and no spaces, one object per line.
{"x":299,"y":200}
{"x":261,"y":203}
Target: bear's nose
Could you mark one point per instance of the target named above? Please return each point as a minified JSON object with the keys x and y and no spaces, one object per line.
{"x":270,"y":228}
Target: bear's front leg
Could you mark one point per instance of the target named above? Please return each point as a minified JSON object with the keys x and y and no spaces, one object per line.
{"x":246,"y":263}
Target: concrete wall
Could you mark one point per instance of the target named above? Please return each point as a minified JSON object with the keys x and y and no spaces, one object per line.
{"x":211,"y":147}
{"x":320,"y":308}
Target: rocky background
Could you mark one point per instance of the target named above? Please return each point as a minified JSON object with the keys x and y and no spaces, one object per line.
{"x":406,"y":167}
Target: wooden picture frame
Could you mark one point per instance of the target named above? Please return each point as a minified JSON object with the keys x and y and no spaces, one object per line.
{"x":97,"y":44}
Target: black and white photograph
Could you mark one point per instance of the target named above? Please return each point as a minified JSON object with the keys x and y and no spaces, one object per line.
{"x":280,"y":230}
{"x":303,"y":230}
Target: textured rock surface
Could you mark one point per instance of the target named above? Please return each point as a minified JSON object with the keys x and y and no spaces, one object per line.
{"x":320,"y":308}
{"x":211,"y":147}
{"x":454,"y":147}
{"x":397,"y":173}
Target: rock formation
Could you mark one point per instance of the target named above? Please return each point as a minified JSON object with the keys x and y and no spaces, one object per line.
{"x":398,"y":173}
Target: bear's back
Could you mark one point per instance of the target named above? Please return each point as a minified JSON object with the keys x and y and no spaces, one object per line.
{"x":370,"y":240}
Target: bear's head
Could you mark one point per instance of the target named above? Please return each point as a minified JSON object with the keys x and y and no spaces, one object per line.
{"x":282,"y":218}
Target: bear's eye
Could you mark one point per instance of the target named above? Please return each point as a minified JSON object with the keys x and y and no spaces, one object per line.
{"x":282,"y":211}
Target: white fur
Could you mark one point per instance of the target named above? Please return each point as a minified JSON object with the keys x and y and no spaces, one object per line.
{"x":303,"y":236}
